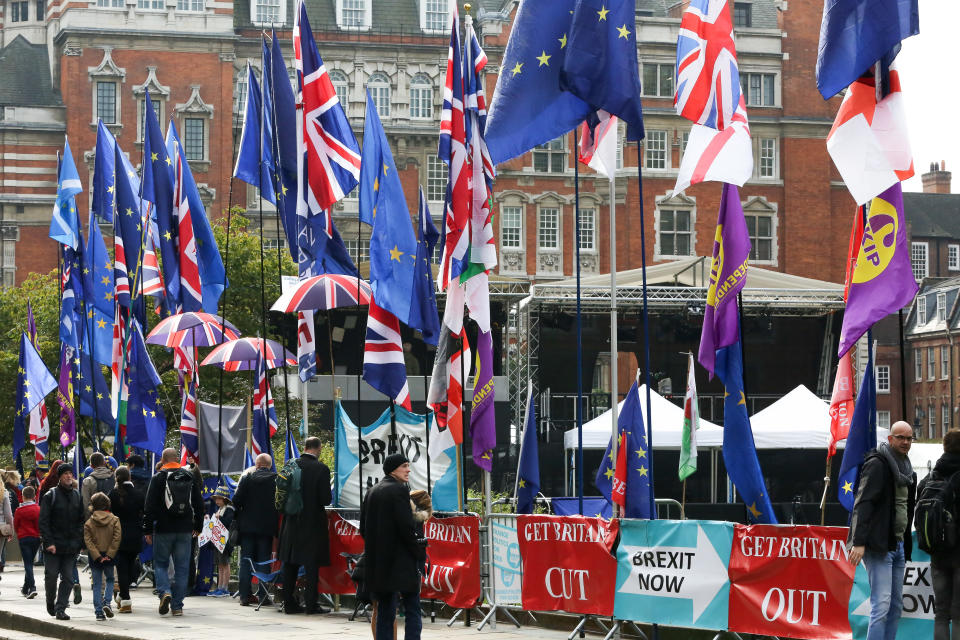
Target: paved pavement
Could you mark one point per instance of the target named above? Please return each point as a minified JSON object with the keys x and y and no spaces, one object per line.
{"x":203,"y":617}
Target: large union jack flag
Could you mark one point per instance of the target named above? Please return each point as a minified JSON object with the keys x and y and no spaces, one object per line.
{"x":264,"y":416}
{"x":708,"y":81}
{"x":191,"y":297}
{"x":189,"y":436}
{"x":383,"y":365}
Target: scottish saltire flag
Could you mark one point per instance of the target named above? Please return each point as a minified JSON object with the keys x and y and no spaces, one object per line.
{"x":728,"y":275}
{"x":34,"y":382}
{"x":254,"y":160}
{"x":291,"y":452}
{"x":213,"y":276}
{"x":423,"y":307}
{"x":528,"y":465}
{"x":691,"y":422}
{"x":600,"y":65}
{"x":445,"y":396}
{"x":265,"y":423}
{"x":276,"y":83}
{"x":189,"y":435}
{"x":39,"y":429}
{"x":717,"y":156}
{"x":855,"y":34}
{"x":598,"y":143}
{"x":869,"y":142}
{"x":65,"y":224}
{"x":483,"y":422}
{"x":68,"y":414}
{"x":383,"y":365}
{"x":882,"y":281}
{"x":739,"y":449}
{"x":862,"y":437}
{"x":158,"y":183}
{"x":102,"y":200}
{"x":625,"y":478}
{"x":146,"y":426}
{"x":98,"y":295}
{"x":708,"y":81}
{"x":529,"y":107}
{"x":393,"y":246}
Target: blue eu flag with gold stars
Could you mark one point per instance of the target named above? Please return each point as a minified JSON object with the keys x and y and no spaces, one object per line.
{"x":34,"y":382}
{"x":104,"y":169}
{"x":633,"y":453}
{"x":528,"y":468}
{"x":393,"y":246}
{"x":98,"y":297}
{"x":146,"y":424}
{"x":862,"y":437}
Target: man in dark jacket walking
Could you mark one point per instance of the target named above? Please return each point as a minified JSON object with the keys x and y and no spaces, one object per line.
{"x":304,"y":541}
{"x":257,"y":519}
{"x":880,"y":527}
{"x":945,"y":566}
{"x":172,"y":514}
{"x":392,"y":549}
{"x":61,"y":529}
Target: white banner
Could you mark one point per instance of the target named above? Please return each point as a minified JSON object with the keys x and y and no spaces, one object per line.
{"x":507,"y":567}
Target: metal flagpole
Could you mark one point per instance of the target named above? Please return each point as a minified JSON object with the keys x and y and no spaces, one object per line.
{"x":646,"y":325}
{"x":614,"y":348}
{"x":576,"y":245}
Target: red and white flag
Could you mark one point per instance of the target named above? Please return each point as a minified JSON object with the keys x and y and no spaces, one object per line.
{"x":598,"y":145}
{"x":717,"y":156}
{"x":841,"y":403}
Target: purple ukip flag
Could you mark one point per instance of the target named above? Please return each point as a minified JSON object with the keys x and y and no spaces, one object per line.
{"x":483,"y":424}
{"x":728,"y":275}
{"x":882,"y":281}
{"x":68,"y":416}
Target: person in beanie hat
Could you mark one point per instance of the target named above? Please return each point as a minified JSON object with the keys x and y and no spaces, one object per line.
{"x":61,"y":530}
{"x":392,"y":549}
{"x":225,"y":513}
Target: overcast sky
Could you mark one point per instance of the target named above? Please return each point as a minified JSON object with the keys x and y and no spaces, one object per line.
{"x":931,"y":89}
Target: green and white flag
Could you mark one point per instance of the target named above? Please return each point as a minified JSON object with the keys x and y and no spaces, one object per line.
{"x":691,"y":422}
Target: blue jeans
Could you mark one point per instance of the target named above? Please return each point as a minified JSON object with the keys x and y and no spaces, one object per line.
{"x":98,"y":572}
{"x":387,"y":612}
{"x":177,"y":547}
{"x":28,"y":550}
{"x":885,"y":573}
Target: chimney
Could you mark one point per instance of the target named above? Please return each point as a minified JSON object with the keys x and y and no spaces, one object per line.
{"x":938,"y":178}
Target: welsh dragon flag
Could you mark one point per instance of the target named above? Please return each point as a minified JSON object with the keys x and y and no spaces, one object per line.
{"x":691,"y":422}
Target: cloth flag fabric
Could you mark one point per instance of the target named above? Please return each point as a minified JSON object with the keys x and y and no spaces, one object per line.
{"x":869,"y":142}
{"x":191,"y":290}
{"x":600,"y":65}
{"x":624,"y":479}
{"x":39,"y":429}
{"x":841,"y":403}
{"x":393,"y":246}
{"x":445,"y":396}
{"x":708,"y":79}
{"x":146,"y":426}
{"x":34,"y":382}
{"x":189,"y":435}
{"x":131,"y":229}
{"x":691,"y":422}
{"x":739,"y":449}
{"x":717,"y":156}
{"x":528,"y":465}
{"x":862,"y":437}
{"x":529,"y":107}
{"x":98,"y":296}
{"x":277,"y":84}
{"x":383,"y":365}
{"x":93,"y":392}
{"x":882,"y":281}
{"x":68,"y":415}
{"x":728,"y":275}
{"x":71,"y":292}
{"x":265,"y":422}
{"x":306,"y":346}
{"x":65,"y":224}
{"x":423,"y":308}
{"x":483,"y":419}
{"x":598,"y":143}
{"x":291,"y":451}
{"x":855,"y":34}
{"x":254,"y":161}
{"x":104,"y":168}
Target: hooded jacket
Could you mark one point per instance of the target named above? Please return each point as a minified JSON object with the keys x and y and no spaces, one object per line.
{"x":101,"y":535}
{"x":99,"y":477}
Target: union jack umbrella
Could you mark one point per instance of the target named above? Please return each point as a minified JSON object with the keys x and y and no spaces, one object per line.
{"x":192,"y":329}
{"x":325,"y":291}
{"x":241,"y":354}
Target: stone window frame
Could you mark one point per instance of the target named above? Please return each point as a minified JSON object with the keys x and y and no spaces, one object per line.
{"x":281,"y":16}
{"x":513,"y":260}
{"x":195,"y":107}
{"x":158,"y":92}
{"x":367,"y":19}
{"x":760,"y":206}
{"x":675,"y":202}
{"x":107,"y":71}
{"x":550,"y":256}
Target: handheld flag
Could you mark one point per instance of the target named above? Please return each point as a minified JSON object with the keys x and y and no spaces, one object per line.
{"x":383,"y":365}
{"x":862,"y":437}
{"x":528,"y":465}
{"x":65,"y":225}
{"x":483,"y":424}
{"x":34,"y":382}
{"x":691,"y":422}
{"x":882,"y":281}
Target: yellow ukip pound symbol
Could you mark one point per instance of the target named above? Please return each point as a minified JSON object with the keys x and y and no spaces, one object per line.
{"x":716,"y":268}
{"x":879,"y":241}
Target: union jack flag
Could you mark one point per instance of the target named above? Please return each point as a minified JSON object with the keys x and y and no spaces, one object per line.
{"x":708,"y":81}
{"x":189,"y":436}
{"x":264,"y":416}
{"x":191,"y":297}
{"x":383,"y":365}
{"x":151,"y":277}
{"x":483,"y":250}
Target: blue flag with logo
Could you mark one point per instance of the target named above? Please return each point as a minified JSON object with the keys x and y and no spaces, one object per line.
{"x":862,"y":437}
{"x":528,"y":107}
{"x":393,"y":247}
{"x":158,"y":189}
{"x":739,"y":449}
{"x":528,"y":468}
{"x":34,"y":382}
{"x":65,"y":224}
{"x":600,"y":65}
{"x":102,"y":202}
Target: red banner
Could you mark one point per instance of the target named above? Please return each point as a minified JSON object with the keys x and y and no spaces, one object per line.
{"x":790,"y":581}
{"x":344,"y":539}
{"x":453,"y":561}
{"x":567,"y":564}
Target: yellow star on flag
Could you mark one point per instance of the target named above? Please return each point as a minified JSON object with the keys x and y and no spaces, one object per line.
{"x":563,"y":41}
{"x":395,"y":253}
{"x":603,"y":13}
{"x":848,"y":487}
{"x":168,"y":161}
{"x":283,"y":191}
{"x":105,"y":279}
{"x":26,"y":383}
{"x":641,"y":453}
{"x":624,"y":32}
{"x":101,"y":324}
{"x":166,"y":235}
{"x":87,"y":388}
{"x":153,"y":157}
{"x":517,"y":68}
{"x":754,"y":511}
{"x":642,"y":470}
{"x":376,"y":183}
{"x":99,"y":396}
{"x":522,"y":484}
{"x":544,"y":58}
{"x":110,"y":189}
{"x":386,"y":167}
{"x":129,"y":212}
{"x":609,"y":473}
{"x":26,"y":394}
{"x":743,"y":399}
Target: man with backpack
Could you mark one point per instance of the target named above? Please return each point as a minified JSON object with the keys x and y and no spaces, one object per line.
{"x":172,"y":515}
{"x":61,"y":532}
{"x":938,"y":505}
{"x":257,"y":520}
{"x":303,"y":492}
{"x":880,"y":527}
{"x":100,"y":480}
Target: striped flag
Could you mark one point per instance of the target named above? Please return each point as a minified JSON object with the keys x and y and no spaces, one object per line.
{"x":189,"y":436}
{"x":191,"y":295}
{"x":383,"y":365}
{"x":39,"y":430}
{"x":264,"y":416}
{"x":445,"y":397}
{"x":717,"y":156}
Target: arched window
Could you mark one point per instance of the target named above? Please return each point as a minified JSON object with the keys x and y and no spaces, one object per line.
{"x":340,"y":84}
{"x":421,"y":98}
{"x":379,"y":86}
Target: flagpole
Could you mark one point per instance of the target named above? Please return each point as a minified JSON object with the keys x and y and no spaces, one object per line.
{"x":461,"y":484}
{"x":576,"y":246}
{"x":646,"y":330}
{"x":426,"y":422}
{"x":614,"y":347}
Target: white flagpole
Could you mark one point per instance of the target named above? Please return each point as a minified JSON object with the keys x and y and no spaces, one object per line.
{"x":614,"y":395}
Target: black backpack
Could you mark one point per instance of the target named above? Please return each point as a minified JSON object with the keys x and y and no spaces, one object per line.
{"x":177,"y":497}
{"x":106,"y":485}
{"x":935,"y":514}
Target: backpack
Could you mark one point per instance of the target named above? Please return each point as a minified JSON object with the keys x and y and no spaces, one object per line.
{"x":105,"y":485}
{"x":935,"y":515}
{"x":288,"y":497}
{"x":178,"y":494}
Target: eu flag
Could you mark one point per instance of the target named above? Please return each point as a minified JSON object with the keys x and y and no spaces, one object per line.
{"x":70,"y":320}
{"x":130,"y":237}
{"x":592,"y":507}
{"x":146,"y":423}
{"x":158,"y":189}
{"x":528,"y":106}
{"x":93,"y":391}
{"x":855,"y":34}
{"x":284,"y":142}
{"x":254,"y":161}
{"x":862,"y":437}
{"x":423,"y":310}
{"x":103,"y":174}
{"x":98,"y":295}
{"x":528,"y":467}
{"x":739,"y":449}
{"x":393,"y":247}
{"x":626,"y":480}
{"x":34,"y":382}
{"x":600,"y":65}
{"x":65,"y":225}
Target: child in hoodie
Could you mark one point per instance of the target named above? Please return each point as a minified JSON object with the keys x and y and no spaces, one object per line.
{"x":101,"y":535}
{"x":26,"y":523}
